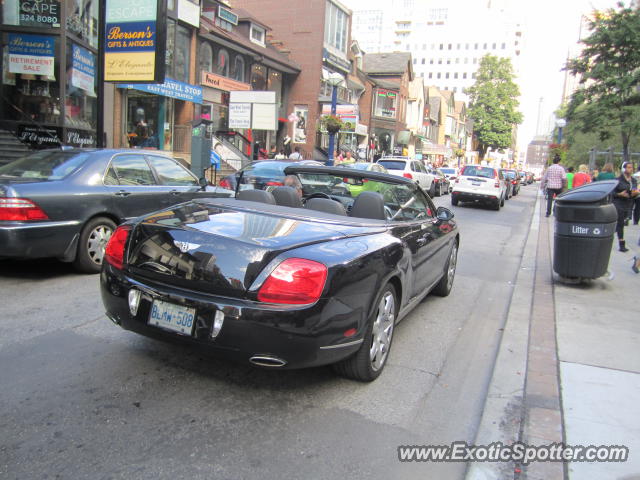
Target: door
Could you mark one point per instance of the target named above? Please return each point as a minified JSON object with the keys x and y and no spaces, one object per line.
{"x":133,"y":186}
{"x":178,"y":184}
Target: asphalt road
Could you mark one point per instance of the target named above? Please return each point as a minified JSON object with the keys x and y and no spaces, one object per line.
{"x":81,"y":398}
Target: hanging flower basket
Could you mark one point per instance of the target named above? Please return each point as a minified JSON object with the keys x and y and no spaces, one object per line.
{"x":332,"y":123}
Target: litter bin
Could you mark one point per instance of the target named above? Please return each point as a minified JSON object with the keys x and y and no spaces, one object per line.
{"x":584,"y":228}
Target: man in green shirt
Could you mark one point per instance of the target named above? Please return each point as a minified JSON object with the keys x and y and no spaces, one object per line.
{"x":570,"y":175}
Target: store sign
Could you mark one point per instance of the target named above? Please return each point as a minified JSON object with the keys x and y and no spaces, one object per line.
{"x":35,"y":13}
{"x":40,"y":137}
{"x":135,"y":38}
{"x":83,"y":69}
{"x":80,"y":138}
{"x":227,"y":15}
{"x":170,"y":88}
{"x":222,"y":83}
{"x":32,"y":54}
{"x":189,"y":12}
{"x":336,"y":61}
{"x":361,"y":129}
{"x":340,"y":109}
{"x":239,"y":115}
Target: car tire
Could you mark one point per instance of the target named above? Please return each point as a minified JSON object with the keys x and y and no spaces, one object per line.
{"x":454,"y":201}
{"x":496,"y":205}
{"x":502,"y":202}
{"x":432,"y":190}
{"x":444,"y":286}
{"x":379,"y":334}
{"x":93,"y":240}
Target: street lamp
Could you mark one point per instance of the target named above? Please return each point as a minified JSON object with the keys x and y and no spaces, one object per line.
{"x":335,"y":79}
{"x":560,"y":123}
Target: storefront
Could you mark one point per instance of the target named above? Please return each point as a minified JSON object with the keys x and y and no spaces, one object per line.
{"x":158,"y":116}
{"x":49,"y":82}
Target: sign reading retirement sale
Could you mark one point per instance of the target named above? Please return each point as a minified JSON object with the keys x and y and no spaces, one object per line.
{"x":134,"y":41}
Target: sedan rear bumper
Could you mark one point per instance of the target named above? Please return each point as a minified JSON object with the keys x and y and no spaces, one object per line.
{"x":474,"y":196}
{"x":37,"y":240}
{"x":287,"y":337}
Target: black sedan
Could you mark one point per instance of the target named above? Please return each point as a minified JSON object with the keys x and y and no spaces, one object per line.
{"x":66,"y":203}
{"x":280,"y":281}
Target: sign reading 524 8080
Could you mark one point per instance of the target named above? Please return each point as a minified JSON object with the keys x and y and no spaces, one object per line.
{"x":135,"y":34}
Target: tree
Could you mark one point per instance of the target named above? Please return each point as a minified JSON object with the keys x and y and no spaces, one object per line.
{"x":493,"y":104}
{"x":609,"y":70}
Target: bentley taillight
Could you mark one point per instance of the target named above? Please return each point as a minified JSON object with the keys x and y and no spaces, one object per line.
{"x":114,"y":251}
{"x":20,"y":210}
{"x":296,"y":281}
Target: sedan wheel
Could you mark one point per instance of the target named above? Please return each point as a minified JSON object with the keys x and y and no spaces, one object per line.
{"x":368,"y":362}
{"x":93,"y":240}
{"x":443,"y":288}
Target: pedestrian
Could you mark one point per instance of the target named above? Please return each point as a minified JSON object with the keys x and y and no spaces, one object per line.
{"x":553,"y":182}
{"x":570,"y":175}
{"x":636,"y":202}
{"x":606,"y":173}
{"x":623,"y":196}
{"x":594,"y":175}
{"x":582,"y":177}
{"x":280,"y":156}
{"x":296,"y":155}
{"x":294,"y":182}
{"x":287,"y":145}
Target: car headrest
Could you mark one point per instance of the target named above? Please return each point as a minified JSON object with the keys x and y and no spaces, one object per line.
{"x":256,"y":196}
{"x":368,"y":205}
{"x":287,"y":197}
{"x":325,"y":205}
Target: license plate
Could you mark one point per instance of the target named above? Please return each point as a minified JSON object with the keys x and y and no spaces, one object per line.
{"x":475,"y":184}
{"x":172,"y":317}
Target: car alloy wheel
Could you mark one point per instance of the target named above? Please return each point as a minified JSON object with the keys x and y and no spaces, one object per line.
{"x":443,"y":288}
{"x":97,"y":242}
{"x":382,"y":331}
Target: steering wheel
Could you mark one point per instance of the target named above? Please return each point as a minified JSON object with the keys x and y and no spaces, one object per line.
{"x":317,"y":195}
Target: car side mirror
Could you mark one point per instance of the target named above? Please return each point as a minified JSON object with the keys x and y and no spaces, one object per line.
{"x":444,"y":214}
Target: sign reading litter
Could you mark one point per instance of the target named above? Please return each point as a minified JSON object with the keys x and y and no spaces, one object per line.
{"x":239,"y":115}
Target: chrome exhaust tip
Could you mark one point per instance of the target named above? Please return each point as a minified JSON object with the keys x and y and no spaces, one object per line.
{"x":267,"y":361}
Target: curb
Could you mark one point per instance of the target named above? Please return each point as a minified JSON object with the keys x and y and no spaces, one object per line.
{"x":503,"y":412}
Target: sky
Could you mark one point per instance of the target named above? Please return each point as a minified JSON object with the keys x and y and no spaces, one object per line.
{"x":551,"y":31}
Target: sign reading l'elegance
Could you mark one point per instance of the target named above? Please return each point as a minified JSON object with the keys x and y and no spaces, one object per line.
{"x":135,"y":37}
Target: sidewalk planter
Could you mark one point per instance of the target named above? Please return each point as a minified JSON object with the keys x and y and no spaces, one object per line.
{"x":584,"y":229}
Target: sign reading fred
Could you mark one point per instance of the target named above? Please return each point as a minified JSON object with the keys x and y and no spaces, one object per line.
{"x":135,"y":37}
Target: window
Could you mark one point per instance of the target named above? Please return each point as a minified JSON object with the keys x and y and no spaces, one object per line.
{"x":441,"y":46}
{"x":82,"y":18}
{"x":458,"y":47}
{"x":80,"y":103}
{"x":466,"y":60}
{"x":170,"y":173}
{"x":448,"y":61}
{"x":183,"y":54}
{"x":130,"y":170}
{"x":438,"y":75}
{"x":464,"y":75}
{"x":423,"y":61}
{"x":424,"y":47}
{"x":386,"y":102}
{"x":504,"y":45}
{"x":457,"y":60}
{"x":205,"y":57}
{"x":476,"y":46}
{"x":335,"y":27}
{"x":422,"y":74}
{"x":274,"y":84}
{"x":455,"y":89}
{"x":238,"y":68}
{"x":430,"y":75}
{"x":485,"y":46}
{"x":439,"y":61}
{"x":455,"y":75}
{"x":473,"y":75}
{"x":431,"y":61}
{"x":222,"y":65}
{"x":446,"y":75}
{"x":415,"y":61}
{"x":450,"y":46}
{"x":258,"y":77}
{"x":257,"y":34}
{"x":494,"y":46}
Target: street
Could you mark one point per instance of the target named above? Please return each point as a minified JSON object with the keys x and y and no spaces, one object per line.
{"x":84,"y":399}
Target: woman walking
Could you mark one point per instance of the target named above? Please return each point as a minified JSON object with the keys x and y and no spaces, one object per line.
{"x":623,"y":195}
{"x":606,"y":173}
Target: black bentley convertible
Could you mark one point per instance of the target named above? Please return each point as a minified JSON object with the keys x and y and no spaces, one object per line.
{"x":307,"y":274}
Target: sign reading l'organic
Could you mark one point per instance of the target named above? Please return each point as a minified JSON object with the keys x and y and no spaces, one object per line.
{"x":135,"y":37}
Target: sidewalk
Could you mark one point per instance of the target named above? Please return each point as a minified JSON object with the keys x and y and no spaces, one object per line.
{"x":568,"y":368}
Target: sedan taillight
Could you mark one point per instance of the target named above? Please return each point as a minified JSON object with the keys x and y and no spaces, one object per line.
{"x":114,"y":251}
{"x":20,"y":210}
{"x":296,"y":281}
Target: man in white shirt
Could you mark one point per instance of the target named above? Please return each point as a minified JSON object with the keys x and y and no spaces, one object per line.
{"x":296,"y":155}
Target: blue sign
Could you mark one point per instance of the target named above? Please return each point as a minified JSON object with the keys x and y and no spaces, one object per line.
{"x":34,"y":45}
{"x":215,"y":158}
{"x":170,"y":88}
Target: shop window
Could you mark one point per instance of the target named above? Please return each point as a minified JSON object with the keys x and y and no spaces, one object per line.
{"x":82,"y":19}
{"x":28,"y":13}
{"x":238,"y":68}
{"x":258,"y":77}
{"x":32,"y":98}
{"x":169,"y":59}
{"x":183,"y":54}
{"x":222,"y":65}
{"x":143,"y":116}
{"x":275,"y":84}
{"x":205,"y":57}
{"x":80,"y":103}
{"x":385,"y":103}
